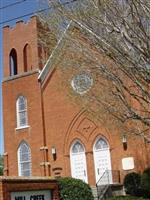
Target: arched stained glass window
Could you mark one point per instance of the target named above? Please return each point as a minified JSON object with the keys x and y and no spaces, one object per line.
{"x":21,"y":106}
{"x":101,"y":144}
{"x":13,"y":62}
{"x":24,"y":159}
{"x":77,"y":148}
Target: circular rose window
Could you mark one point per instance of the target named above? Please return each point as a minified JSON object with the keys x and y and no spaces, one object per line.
{"x":81,"y":83}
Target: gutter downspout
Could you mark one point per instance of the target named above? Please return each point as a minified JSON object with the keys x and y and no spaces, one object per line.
{"x":44,"y":149}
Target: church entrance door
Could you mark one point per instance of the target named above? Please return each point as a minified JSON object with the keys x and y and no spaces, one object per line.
{"x":102,"y":162}
{"x":78,"y":162}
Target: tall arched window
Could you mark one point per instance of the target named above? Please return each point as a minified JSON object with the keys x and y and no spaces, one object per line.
{"x":27,"y":58}
{"x":21,"y":108}
{"x":13,"y":62}
{"x":24,"y":160}
{"x":78,"y":161}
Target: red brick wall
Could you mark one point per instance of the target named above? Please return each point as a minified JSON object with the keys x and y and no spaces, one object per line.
{"x":29,"y":87}
{"x":65,"y":122}
{"x":26,"y":84}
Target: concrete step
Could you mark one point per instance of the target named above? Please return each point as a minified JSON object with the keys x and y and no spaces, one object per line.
{"x":117,"y":190}
{"x":105,"y":191}
{"x":94,"y":191}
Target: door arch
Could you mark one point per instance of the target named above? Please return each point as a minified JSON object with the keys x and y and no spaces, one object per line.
{"x":102,"y":161}
{"x":78,"y":161}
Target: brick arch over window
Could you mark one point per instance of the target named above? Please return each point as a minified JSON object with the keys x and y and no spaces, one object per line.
{"x":13,"y":68}
{"x":83,"y":127}
{"x":27,"y":57}
{"x":79,"y":127}
{"x":24,"y":159}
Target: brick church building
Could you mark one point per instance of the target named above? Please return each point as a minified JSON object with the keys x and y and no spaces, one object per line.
{"x":46,"y":133}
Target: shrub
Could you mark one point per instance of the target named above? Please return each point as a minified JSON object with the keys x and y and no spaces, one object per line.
{"x":132,"y":183}
{"x":145,"y":182}
{"x":74,"y":189}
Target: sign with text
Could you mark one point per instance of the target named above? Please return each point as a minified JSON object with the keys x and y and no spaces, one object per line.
{"x":128,"y":163}
{"x":31,"y":195}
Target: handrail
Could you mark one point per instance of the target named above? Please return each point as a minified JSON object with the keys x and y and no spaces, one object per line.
{"x":103,"y":184}
{"x":114,"y":174}
{"x":101,"y":178}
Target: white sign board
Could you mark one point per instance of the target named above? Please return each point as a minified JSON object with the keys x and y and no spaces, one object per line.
{"x":128,"y":163}
{"x":31,"y":195}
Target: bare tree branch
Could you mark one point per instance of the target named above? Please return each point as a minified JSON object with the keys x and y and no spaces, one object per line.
{"x":121,"y":31}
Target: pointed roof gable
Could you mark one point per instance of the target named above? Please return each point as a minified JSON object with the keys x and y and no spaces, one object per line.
{"x":49,"y":66}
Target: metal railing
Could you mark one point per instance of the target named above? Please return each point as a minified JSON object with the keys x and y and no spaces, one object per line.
{"x":108,"y":178}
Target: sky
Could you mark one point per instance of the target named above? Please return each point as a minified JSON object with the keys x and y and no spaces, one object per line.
{"x":10,"y":9}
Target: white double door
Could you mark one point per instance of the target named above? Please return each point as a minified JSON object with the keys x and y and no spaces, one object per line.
{"x":103,"y":166}
{"x":102,"y":162}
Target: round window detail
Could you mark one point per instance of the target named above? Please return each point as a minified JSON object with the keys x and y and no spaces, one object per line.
{"x":81,"y":83}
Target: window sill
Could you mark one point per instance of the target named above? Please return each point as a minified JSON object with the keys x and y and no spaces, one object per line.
{"x":22,"y":127}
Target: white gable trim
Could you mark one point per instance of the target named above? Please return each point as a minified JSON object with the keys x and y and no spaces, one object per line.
{"x":53,"y":57}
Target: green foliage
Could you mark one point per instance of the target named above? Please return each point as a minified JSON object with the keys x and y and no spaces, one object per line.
{"x":74,"y":189}
{"x":132,"y":183}
{"x":145,"y":179}
{"x":145,"y":182}
{"x":1,"y":165}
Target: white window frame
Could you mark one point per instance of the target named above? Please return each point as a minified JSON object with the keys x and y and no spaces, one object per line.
{"x":20,"y":163}
{"x":19,"y":112}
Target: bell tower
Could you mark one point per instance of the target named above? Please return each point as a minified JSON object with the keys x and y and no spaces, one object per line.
{"x":22,"y":113}
{"x":20,"y":48}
